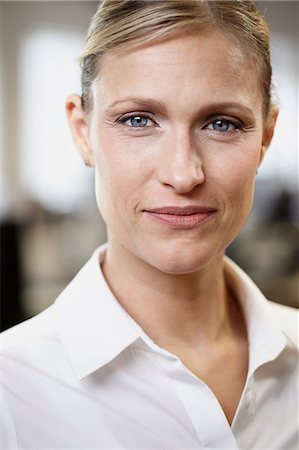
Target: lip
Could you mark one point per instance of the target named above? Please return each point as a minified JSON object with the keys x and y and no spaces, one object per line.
{"x":184,"y":218}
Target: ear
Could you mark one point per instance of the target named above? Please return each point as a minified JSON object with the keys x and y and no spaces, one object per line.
{"x":79,"y":126}
{"x":268,"y":130}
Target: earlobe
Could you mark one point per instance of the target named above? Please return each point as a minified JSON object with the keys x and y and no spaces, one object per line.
{"x":79,"y":126}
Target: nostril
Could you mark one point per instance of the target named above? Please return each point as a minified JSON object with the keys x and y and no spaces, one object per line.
{"x":183,"y":181}
{"x":181,"y":167}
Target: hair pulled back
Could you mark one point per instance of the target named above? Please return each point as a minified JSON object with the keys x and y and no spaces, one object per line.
{"x":125,"y":24}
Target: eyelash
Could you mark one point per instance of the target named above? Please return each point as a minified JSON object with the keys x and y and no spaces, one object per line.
{"x":238,"y":125}
{"x":124,"y":119}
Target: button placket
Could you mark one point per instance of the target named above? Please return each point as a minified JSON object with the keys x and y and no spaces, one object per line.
{"x":204,"y":411}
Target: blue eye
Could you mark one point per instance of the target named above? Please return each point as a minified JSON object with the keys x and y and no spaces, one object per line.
{"x":138,"y":121}
{"x":223,"y":125}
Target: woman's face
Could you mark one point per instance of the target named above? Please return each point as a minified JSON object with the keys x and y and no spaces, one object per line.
{"x":176,"y":135}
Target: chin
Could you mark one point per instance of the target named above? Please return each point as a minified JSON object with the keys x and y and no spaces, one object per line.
{"x":183,"y":262}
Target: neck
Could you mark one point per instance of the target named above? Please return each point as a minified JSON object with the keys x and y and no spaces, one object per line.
{"x":172,"y":309}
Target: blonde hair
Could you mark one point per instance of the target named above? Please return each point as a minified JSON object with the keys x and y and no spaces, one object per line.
{"x":124,"y":24}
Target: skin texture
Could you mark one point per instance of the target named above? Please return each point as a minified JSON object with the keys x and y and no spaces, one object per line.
{"x":171,"y":279}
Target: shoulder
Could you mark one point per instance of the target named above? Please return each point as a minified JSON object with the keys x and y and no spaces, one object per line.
{"x":32,"y":347}
{"x":32,"y":354}
{"x":31,"y":357}
{"x":29,"y":331}
{"x":287,"y":318}
{"x":28,"y":348}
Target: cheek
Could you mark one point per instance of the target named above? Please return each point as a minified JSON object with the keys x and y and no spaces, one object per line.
{"x":241,"y":195}
{"x":238,"y":189}
{"x":119,"y":180}
{"x":232,"y":174}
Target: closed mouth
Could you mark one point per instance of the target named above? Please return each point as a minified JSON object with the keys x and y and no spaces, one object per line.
{"x":181,"y":217}
{"x":181,"y":210}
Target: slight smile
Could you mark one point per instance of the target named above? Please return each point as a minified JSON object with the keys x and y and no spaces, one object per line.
{"x":183,"y":218}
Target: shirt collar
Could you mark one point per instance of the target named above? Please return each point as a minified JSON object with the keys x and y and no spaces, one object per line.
{"x":265,"y":334}
{"x":95,"y":329}
{"x":93,"y":326}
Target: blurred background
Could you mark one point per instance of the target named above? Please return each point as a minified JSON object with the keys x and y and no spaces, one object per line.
{"x":49,"y":221}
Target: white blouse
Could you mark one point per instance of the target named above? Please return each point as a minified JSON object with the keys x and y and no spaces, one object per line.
{"x":83,"y":375}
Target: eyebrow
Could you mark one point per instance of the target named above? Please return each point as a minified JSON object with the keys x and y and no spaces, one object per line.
{"x":144,"y":101}
{"x":216,"y":107}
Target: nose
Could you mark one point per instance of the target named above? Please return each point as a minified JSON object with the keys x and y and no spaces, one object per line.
{"x":180,"y":166}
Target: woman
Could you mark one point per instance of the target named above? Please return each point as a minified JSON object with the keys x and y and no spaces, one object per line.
{"x":160,"y":341}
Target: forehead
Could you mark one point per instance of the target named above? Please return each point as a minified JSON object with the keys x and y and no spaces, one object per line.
{"x":183,"y":68}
